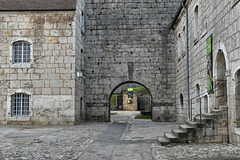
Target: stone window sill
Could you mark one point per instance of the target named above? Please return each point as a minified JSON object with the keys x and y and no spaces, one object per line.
{"x":19,"y":119}
{"x":181,"y":56}
{"x":21,"y":65}
{"x":195,"y":41}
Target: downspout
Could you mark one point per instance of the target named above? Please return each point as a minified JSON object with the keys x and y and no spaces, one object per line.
{"x":187,"y":42}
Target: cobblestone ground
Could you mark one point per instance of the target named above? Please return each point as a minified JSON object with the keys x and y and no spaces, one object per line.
{"x":67,"y":143}
{"x":59,"y":142}
{"x":209,"y":151}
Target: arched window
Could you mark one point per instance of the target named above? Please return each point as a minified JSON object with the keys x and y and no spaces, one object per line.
{"x":181,"y":100}
{"x":20,"y":105}
{"x":21,"y":52}
{"x":196,"y":15}
{"x":179,"y":42}
{"x":184,"y":39}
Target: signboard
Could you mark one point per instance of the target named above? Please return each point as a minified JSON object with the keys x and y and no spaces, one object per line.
{"x":209,"y":64}
{"x":130,"y":89}
{"x":209,"y":45}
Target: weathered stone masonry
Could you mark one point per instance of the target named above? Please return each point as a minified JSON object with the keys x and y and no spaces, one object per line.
{"x":50,"y":78}
{"x":129,"y":41}
{"x":221,"y":20}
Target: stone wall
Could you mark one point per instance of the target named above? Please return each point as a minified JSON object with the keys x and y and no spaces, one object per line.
{"x":79,"y":63}
{"x":221,"y":20}
{"x":129,"y":41}
{"x":49,"y":78}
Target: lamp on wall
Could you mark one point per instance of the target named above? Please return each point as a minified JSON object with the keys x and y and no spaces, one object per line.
{"x":80,"y":73}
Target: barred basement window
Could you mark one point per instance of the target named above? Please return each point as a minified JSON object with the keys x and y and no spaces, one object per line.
{"x":21,"y":52}
{"x":20,"y":105}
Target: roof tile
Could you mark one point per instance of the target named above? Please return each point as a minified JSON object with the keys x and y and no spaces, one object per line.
{"x":31,"y":5}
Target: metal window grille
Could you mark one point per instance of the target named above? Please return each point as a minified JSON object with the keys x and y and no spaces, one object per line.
{"x":21,"y":52}
{"x":20,"y":104}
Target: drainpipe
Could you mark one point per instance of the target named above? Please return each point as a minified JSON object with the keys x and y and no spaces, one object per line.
{"x":188,"y":88}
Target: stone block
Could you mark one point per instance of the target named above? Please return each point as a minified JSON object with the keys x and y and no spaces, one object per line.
{"x":46,"y":91}
{"x":216,"y":139}
{"x":56,"y":83}
{"x":51,"y":40}
{"x":66,"y":91}
{"x":63,"y":40}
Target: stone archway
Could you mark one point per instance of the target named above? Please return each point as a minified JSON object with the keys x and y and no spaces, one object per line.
{"x":144,"y":107}
{"x":237,"y":99}
{"x":221,"y":80}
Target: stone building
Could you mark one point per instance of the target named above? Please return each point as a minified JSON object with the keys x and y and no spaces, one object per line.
{"x":213,"y":50}
{"x":129,"y":41}
{"x":130,"y":101}
{"x":61,"y":60}
{"x":41,"y":53}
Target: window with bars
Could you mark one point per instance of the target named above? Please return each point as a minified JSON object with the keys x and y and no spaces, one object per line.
{"x":21,"y":52}
{"x":20,"y":105}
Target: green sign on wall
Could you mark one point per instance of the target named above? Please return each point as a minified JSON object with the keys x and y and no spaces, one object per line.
{"x":209,"y":45}
{"x":130,"y":89}
{"x":209,"y":64}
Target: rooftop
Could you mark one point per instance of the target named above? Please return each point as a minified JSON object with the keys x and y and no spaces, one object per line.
{"x":37,"y":5}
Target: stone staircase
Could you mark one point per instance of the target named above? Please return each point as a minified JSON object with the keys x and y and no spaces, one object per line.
{"x":211,"y":127}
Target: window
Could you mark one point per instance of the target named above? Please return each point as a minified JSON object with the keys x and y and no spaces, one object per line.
{"x":181,"y":100}
{"x":179,"y":46}
{"x":21,"y":52}
{"x":20,"y":105}
{"x":184,"y":41}
{"x":82,"y":22}
{"x":196,"y":14}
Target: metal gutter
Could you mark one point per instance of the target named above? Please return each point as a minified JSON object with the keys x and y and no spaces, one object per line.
{"x":183,"y":6}
{"x":187,"y":47}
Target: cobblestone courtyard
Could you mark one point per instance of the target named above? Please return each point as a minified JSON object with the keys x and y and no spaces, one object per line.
{"x":124,"y":138}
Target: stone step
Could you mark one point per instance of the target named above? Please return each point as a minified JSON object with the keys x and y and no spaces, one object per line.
{"x":186,"y":128}
{"x":171,"y":137}
{"x":163,"y":140}
{"x":197,"y":119}
{"x":179,"y":132}
{"x":192,"y":123}
{"x":216,"y":111}
{"x":208,"y":115}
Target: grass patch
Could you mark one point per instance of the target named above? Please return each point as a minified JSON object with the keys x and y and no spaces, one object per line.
{"x":143,"y":117}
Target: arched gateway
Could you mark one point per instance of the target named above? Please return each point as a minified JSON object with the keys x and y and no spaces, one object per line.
{"x":117,"y":51}
{"x":131,"y":96}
